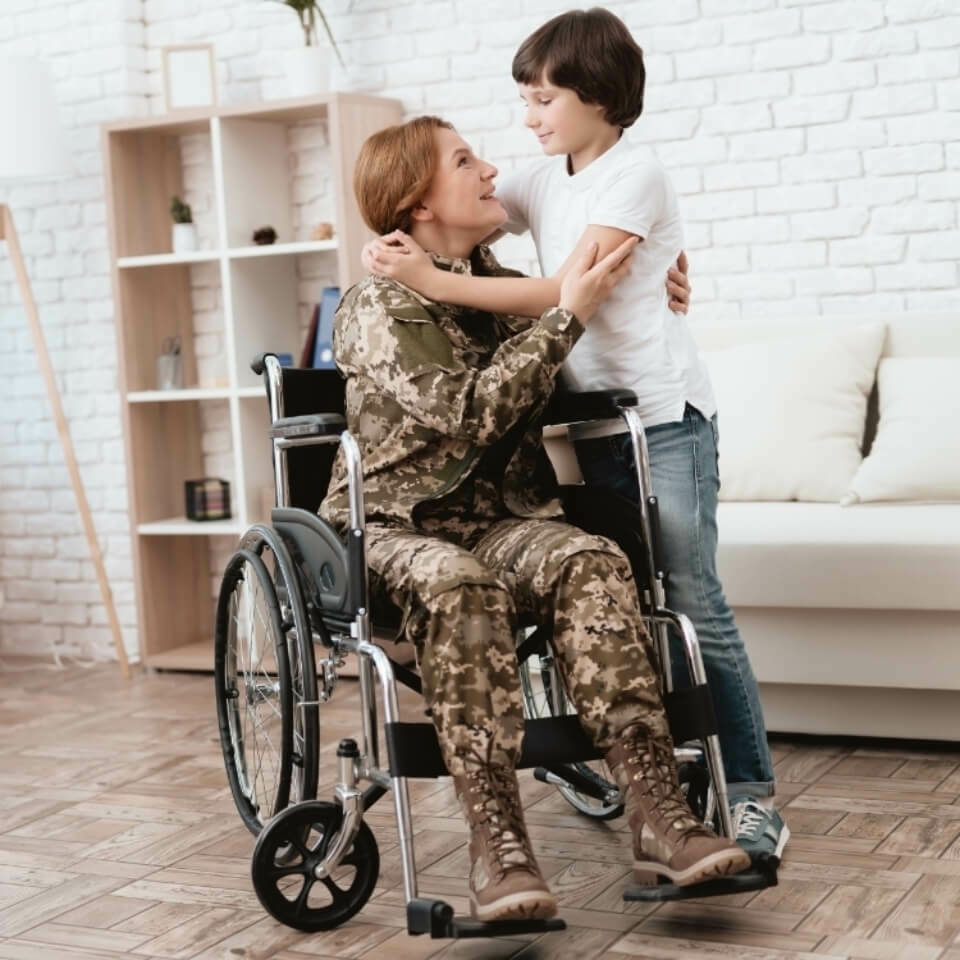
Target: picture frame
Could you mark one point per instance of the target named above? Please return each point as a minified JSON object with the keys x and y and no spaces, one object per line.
{"x":189,"y":76}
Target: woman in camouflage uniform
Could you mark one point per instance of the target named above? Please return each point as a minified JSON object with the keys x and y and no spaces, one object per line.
{"x":465,"y":534}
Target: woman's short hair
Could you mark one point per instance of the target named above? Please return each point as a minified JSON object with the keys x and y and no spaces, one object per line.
{"x":592,"y":53}
{"x":394,"y":171}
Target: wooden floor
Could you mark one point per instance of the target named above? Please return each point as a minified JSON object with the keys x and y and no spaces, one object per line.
{"x":119,"y":839}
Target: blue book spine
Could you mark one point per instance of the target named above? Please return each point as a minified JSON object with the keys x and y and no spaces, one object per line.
{"x":323,"y":346}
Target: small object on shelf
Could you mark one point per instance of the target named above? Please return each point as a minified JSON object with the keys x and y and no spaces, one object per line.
{"x":323,"y":344}
{"x":184,"y":231}
{"x":284,"y":359}
{"x":264,"y":235}
{"x":207,"y":499}
{"x":322,"y":231}
{"x":170,"y":365}
{"x":189,"y":76}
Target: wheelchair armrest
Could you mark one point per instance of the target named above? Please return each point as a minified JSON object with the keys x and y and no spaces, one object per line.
{"x":259,"y":362}
{"x":311,"y":425}
{"x":570,"y":407}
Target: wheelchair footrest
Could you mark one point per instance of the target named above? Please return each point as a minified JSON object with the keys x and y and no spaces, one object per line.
{"x":756,"y":878}
{"x":436,"y":918}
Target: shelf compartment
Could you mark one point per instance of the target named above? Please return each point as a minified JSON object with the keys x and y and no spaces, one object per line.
{"x":256,"y":453}
{"x":181,"y":300}
{"x":168,"y":446}
{"x":177,"y":609}
{"x":264,"y":292}
{"x":145,"y":170}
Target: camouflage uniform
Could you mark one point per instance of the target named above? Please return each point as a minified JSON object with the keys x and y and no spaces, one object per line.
{"x":461,"y":505}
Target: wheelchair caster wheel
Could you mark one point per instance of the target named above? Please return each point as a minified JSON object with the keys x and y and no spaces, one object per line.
{"x":288,"y":886}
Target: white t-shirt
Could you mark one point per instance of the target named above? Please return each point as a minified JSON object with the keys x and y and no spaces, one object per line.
{"x":633,"y":341}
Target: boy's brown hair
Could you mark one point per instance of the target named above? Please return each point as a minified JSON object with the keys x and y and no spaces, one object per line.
{"x":393,"y":173}
{"x":592,"y":53}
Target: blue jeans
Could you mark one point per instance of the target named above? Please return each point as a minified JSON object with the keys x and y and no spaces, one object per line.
{"x":683,"y":463}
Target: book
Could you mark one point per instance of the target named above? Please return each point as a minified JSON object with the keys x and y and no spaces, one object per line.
{"x":323,"y":339}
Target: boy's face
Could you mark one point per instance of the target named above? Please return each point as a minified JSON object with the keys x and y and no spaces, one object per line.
{"x":461,"y":193}
{"x":561,"y":121}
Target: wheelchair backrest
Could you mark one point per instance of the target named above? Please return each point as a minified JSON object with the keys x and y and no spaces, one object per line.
{"x":306,"y":391}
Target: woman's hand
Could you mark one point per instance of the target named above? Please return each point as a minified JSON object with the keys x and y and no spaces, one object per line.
{"x":587,"y":284}
{"x":678,"y":285}
{"x":398,"y":256}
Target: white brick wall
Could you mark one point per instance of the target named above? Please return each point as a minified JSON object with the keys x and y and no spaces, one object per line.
{"x":813,"y":144}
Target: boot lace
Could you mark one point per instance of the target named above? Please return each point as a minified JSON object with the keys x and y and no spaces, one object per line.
{"x":494,"y":796}
{"x":656,"y":762}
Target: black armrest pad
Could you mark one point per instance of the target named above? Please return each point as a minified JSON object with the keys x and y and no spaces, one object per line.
{"x":258,"y":363}
{"x":311,"y":425}
{"x":570,"y":407}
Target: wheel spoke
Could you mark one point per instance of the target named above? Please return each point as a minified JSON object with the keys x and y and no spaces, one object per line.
{"x":278,"y":873}
{"x":339,"y":895}
{"x":297,"y":841}
{"x":308,"y":881}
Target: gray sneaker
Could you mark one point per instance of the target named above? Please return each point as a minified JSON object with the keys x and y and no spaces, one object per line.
{"x":761,"y":832}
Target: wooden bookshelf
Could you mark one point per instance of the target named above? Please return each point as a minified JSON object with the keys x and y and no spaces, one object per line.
{"x":251,"y":186}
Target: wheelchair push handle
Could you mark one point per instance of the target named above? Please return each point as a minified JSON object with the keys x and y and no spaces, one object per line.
{"x":259,"y":363}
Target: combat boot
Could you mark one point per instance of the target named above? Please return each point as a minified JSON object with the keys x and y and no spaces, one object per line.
{"x":668,"y":840}
{"x":505,"y":881}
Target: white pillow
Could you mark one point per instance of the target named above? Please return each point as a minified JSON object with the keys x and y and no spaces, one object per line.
{"x":916,"y":453}
{"x":792,"y":413}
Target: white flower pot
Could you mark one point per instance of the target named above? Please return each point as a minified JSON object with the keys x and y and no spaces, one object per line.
{"x":308,"y":70}
{"x":184,"y":237}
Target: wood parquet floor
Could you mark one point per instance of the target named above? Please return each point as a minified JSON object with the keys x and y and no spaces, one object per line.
{"x":119,"y":839}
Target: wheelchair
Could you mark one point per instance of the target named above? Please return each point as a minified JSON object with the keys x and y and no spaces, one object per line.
{"x":294,"y":602}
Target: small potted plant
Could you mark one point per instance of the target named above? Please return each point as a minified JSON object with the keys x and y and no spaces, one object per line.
{"x":308,"y":69}
{"x":184,"y":231}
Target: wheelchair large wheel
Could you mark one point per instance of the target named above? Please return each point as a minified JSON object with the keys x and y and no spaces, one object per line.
{"x":544,"y":696}
{"x":270,"y":547}
{"x":287,"y":884}
{"x":252,"y":680}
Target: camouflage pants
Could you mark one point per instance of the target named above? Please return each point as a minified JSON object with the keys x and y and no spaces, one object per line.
{"x":461,"y":609}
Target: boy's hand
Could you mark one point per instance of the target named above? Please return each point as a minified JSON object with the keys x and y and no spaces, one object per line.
{"x":588,"y":284}
{"x":398,"y":256}
{"x":678,"y":285}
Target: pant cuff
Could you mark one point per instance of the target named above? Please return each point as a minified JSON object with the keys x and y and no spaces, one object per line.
{"x":758,"y":788}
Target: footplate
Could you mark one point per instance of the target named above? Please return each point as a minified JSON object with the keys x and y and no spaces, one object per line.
{"x":756,"y":878}
{"x":436,"y":918}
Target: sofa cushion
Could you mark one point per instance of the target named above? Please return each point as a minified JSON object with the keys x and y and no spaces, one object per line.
{"x":916,"y":452}
{"x":886,"y":556}
{"x":792,"y":413}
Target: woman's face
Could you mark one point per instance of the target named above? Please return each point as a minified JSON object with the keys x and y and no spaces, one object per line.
{"x":461,"y":194}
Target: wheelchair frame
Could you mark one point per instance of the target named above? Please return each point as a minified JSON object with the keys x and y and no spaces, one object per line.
{"x":412,"y":748}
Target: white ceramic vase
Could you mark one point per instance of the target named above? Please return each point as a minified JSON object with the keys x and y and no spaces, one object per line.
{"x":308,"y":70}
{"x":184,"y":237}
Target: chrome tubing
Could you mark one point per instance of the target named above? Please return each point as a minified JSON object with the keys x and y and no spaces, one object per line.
{"x":401,"y":798}
{"x":691,"y":649}
{"x":275,"y":402}
{"x":641,"y":459}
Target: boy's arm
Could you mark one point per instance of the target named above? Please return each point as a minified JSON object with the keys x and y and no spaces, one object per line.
{"x":398,"y":256}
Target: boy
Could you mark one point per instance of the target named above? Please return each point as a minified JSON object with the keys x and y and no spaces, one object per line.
{"x":582,"y":78}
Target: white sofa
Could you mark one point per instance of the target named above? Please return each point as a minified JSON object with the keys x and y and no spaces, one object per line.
{"x":851,"y":615}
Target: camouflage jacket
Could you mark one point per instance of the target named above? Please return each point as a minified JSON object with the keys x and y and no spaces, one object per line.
{"x":430,"y":386}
